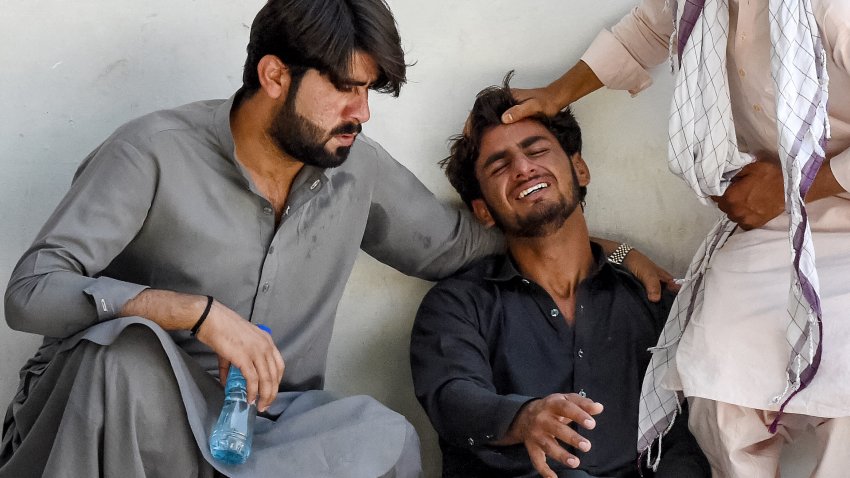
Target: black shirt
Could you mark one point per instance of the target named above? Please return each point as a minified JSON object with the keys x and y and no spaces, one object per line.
{"x":488,"y":340}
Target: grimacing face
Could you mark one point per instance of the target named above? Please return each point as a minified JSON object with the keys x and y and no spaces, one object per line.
{"x":318,"y":121}
{"x":529,"y":185}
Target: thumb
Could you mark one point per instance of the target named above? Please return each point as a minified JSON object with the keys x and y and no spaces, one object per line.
{"x":521,"y":111}
{"x":653,"y":288}
{"x":223,"y":368}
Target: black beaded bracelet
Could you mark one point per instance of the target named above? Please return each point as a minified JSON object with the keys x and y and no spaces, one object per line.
{"x":203,"y":316}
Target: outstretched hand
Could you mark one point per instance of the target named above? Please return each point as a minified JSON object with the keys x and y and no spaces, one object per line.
{"x":541,"y":424}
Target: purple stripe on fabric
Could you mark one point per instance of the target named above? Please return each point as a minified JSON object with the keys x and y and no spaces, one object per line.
{"x":646,"y":440}
{"x":808,"y":373}
{"x":808,"y":289}
{"x":806,"y":377}
{"x":690,"y":13}
{"x":810,"y":294}
{"x":808,"y":172}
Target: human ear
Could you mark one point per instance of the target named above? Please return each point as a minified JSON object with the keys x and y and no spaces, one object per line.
{"x":482,"y":213}
{"x":274,"y":76}
{"x":581,"y":169}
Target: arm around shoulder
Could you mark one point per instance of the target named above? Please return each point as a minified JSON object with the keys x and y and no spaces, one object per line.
{"x":409,"y":229}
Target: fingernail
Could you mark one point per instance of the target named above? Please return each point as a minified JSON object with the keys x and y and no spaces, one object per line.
{"x":509,"y":117}
{"x":573,"y":462}
{"x":584,"y":445}
{"x":589,"y":423}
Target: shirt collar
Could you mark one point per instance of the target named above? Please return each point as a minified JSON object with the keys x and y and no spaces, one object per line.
{"x":506,"y":270}
{"x":221,"y":125}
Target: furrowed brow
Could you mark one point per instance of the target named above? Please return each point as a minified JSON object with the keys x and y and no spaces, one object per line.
{"x":527,"y":142}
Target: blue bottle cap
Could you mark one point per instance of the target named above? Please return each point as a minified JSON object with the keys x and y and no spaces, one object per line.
{"x":265,"y":329}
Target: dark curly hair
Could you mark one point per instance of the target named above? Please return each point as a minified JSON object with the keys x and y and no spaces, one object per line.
{"x":486,"y":113}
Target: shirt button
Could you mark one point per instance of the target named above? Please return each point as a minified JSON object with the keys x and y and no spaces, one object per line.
{"x":315,"y":185}
{"x":580,"y":353}
{"x":742,"y":72}
{"x":471,"y":441}
{"x":286,"y":211}
{"x":267,"y":211}
{"x":266,"y":287}
{"x":582,"y":393}
{"x":271,"y":249}
{"x":554,"y":312}
{"x":757,"y":108}
{"x":525,"y":281}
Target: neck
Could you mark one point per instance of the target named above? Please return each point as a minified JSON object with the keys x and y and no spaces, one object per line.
{"x":254,"y":149}
{"x":271,"y":171}
{"x":559,"y":261}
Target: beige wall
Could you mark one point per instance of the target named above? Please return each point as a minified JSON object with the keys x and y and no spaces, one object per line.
{"x":73,"y":71}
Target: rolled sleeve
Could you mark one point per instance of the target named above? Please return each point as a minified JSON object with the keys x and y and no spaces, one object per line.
{"x":614,"y":65}
{"x":639,"y":41}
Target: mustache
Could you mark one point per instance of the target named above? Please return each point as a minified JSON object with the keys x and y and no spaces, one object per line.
{"x":347,"y":128}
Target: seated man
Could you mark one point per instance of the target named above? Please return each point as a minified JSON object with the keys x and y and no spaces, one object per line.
{"x":524,"y":348}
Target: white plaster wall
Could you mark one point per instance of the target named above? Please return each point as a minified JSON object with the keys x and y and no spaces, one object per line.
{"x":70,"y":72}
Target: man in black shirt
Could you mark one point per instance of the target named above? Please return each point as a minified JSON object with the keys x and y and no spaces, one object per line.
{"x":534,"y":360}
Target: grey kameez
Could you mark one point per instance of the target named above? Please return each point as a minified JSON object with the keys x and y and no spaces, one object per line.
{"x":163,"y":203}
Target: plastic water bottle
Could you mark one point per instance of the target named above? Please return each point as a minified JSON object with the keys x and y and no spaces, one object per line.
{"x":231,"y":438}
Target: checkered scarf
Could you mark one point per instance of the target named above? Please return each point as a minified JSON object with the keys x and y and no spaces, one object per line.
{"x":704,"y":152}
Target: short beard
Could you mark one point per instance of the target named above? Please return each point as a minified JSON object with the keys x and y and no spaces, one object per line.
{"x":301,"y":139}
{"x":545,"y":219}
{"x":542,"y":222}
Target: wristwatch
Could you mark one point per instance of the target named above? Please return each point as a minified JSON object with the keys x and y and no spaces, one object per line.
{"x":619,"y":254}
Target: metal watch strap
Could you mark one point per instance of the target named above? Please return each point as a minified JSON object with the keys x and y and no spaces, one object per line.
{"x":619,"y":253}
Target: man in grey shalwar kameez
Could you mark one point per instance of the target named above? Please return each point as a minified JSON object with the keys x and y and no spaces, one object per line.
{"x":247,"y":204}
{"x":250,"y":201}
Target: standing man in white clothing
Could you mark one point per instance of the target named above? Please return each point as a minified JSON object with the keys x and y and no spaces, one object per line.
{"x":732,"y":356}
